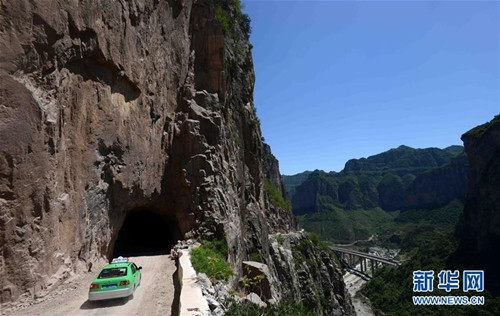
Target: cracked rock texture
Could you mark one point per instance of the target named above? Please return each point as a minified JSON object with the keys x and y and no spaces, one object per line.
{"x":306,"y":270}
{"x":112,"y":107}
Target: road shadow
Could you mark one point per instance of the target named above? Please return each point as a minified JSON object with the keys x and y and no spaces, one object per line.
{"x":105,"y":303}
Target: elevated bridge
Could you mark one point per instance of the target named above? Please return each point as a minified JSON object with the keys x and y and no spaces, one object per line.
{"x":351,"y":259}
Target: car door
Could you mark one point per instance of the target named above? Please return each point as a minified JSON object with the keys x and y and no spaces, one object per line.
{"x":136,"y":274}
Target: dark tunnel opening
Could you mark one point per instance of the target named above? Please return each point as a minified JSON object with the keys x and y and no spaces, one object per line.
{"x":145,"y":233}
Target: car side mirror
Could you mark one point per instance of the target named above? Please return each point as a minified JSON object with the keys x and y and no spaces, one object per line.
{"x":140,"y":268}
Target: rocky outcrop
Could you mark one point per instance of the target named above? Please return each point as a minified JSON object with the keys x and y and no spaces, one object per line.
{"x":114,"y":109}
{"x":261,"y":279}
{"x":478,"y":229}
{"x":272,"y":171}
{"x":306,"y":271}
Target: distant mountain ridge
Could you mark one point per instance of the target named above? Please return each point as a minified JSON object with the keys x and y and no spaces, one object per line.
{"x":404,"y":159}
{"x":291,"y":182}
{"x":398,"y":179}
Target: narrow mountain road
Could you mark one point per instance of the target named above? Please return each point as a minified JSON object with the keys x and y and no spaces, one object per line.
{"x":355,"y":242}
{"x":154,"y":296}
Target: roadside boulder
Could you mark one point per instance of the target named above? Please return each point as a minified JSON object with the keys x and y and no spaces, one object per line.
{"x":255,"y":299}
{"x":259,"y":278}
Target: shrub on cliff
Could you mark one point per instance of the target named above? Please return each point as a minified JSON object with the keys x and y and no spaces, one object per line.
{"x":209,"y":258}
{"x":480,"y":130}
{"x":229,"y":12}
{"x":275,"y":196}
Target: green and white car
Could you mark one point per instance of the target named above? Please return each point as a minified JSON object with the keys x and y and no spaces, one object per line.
{"x":118,"y":279}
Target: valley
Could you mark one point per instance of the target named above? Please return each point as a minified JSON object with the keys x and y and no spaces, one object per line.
{"x":385,"y":196}
{"x":417,"y":213}
{"x":133,"y":128}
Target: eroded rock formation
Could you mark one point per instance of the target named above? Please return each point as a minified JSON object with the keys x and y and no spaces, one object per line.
{"x":113,"y":108}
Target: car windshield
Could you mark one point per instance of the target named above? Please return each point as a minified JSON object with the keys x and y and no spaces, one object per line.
{"x":113,"y":273}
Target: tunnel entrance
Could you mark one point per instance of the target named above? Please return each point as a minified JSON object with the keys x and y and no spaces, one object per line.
{"x":145,"y":233}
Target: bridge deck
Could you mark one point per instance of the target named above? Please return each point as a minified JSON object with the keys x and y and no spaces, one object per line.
{"x":366,"y":255}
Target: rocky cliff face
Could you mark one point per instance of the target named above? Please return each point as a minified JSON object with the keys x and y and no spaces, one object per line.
{"x":439,"y":186}
{"x":272,"y":171}
{"x":113,"y":109}
{"x":479,"y":227}
{"x":304,"y":270}
{"x":430,"y":189}
{"x":272,"y":174}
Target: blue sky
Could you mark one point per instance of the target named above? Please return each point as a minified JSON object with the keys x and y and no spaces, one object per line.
{"x":337,"y":80}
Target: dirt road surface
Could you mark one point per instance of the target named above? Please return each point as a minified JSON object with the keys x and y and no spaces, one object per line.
{"x":154,"y":296}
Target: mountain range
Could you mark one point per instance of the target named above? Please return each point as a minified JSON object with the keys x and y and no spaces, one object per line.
{"x":400,"y":179}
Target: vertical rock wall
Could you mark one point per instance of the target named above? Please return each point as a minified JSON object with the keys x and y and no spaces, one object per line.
{"x":272,"y":171}
{"x":113,"y":107}
{"x":478,"y":229}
